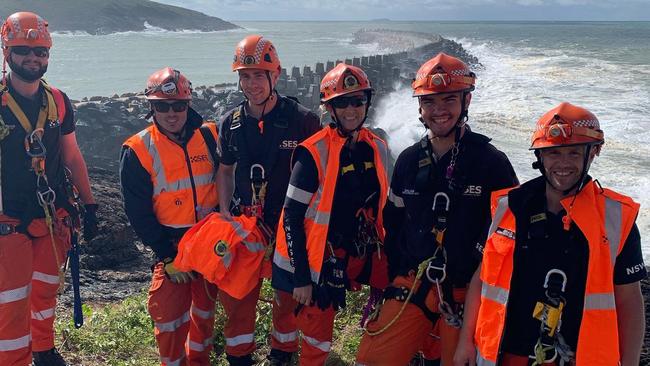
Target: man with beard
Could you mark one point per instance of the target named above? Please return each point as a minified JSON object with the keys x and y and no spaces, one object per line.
{"x":38,"y":146}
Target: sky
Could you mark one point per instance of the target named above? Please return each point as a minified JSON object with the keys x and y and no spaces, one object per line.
{"x":432,"y":10}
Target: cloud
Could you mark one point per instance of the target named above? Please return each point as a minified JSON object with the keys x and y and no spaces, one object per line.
{"x":420,"y":9}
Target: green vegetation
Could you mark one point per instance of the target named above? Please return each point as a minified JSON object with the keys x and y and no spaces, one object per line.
{"x":122,"y":334}
{"x":108,"y":16}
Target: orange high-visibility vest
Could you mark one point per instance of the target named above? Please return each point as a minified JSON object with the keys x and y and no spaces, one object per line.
{"x":228,"y":253}
{"x":605,"y":218}
{"x":184,"y":189}
{"x":325,"y":148}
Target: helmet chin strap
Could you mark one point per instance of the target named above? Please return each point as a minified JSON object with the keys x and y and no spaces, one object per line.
{"x":579,"y":184}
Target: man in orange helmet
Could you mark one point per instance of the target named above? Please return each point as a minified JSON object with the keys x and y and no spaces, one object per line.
{"x":167,"y":172}
{"x":256,"y":142}
{"x":331,"y":231}
{"x":37,"y":215}
{"x":436,"y":216}
{"x":559,"y":281}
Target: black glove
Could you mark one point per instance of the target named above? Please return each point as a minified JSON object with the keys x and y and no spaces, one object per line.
{"x":333,"y":287}
{"x":90,"y":221}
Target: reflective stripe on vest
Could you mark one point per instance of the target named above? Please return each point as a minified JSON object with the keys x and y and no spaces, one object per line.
{"x":598,"y":334}
{"x":325,"y":148}
{"x":183,"y":179}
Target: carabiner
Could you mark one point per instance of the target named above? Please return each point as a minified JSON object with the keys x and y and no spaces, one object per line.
{"x":555,"y":271}
{"x":258,"y":178}
{"x":34,"y":146}
{"x":435,"y":201}
{"x":442,"y":268}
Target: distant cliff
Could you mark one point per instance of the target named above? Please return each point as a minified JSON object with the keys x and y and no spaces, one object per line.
{"x":109,"y":16}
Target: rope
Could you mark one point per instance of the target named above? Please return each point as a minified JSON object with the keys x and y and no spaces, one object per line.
{"x":421,"y":268}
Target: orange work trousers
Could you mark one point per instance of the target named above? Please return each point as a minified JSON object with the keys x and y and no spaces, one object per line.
{"x":410,"y":332}
{"x":29,"y":281}
{"x":239,"y":329}
{"x":316,"y":325}
{"x":183,"y":315}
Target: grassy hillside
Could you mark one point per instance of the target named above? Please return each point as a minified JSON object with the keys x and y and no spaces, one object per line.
{"x":122,"y":334}
{"x":108,"y":16}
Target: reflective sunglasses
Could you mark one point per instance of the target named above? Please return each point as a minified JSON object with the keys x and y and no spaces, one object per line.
{"x":344,"y":102}
{"x":25,"y":50}
{"x":163,"y":107}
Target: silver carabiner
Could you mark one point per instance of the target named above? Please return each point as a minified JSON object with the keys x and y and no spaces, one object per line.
{"x":435,"y":200}
{"x":253,"y":167}
{"x":556,"y":271}
{"x":442,"y":268}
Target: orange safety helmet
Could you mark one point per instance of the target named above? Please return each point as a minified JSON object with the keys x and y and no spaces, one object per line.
{"x":255,"y":52}
{"x":25,"y":29}
{"x":341,"y":80}
{"x":567,"y":125}
{"x":443,"y":74}
{"x":168,"y":83}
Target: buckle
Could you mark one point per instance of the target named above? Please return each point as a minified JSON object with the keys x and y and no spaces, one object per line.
{"x":7,"y":229}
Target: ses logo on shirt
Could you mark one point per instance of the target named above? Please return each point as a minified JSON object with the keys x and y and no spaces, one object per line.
{"x":288,"y":144}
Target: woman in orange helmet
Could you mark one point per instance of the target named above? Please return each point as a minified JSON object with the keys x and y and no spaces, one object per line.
{"x":559,"y":282}
{"x":331,"y":225}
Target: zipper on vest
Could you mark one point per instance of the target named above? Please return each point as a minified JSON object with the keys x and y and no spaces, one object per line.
{"x":189,"y":168}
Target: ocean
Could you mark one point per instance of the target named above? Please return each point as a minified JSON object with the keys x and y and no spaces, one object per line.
{"x":528,"y":68}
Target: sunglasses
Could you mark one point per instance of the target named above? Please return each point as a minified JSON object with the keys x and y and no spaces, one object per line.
{"x":344,"y":102}
{"x":25,"y":50}
{"x":163,"y":107}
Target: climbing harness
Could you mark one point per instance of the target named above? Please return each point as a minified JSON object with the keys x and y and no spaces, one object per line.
{"x":367,"y":237}
{"x":434,"y":269}
{"x":550,"y":344}
{"x":35,"y":149}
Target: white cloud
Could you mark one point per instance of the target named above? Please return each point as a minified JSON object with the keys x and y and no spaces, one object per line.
{"x":420,"y":9}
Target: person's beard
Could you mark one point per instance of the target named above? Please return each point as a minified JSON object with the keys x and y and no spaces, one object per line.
{"x":25,"y":74}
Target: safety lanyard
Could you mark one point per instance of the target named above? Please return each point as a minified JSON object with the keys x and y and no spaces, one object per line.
{"x":437,"y":267}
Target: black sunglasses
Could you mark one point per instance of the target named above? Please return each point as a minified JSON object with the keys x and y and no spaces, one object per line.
{"x":25,"y":50}
{"x":163,"y":107}
{"x":344,"y":102}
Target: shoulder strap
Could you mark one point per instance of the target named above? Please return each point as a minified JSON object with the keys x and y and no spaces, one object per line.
{"x":210,"y":142}
{"x":59,"y":101}
{"x":235,"y":131}
{"x":423,"y":176}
